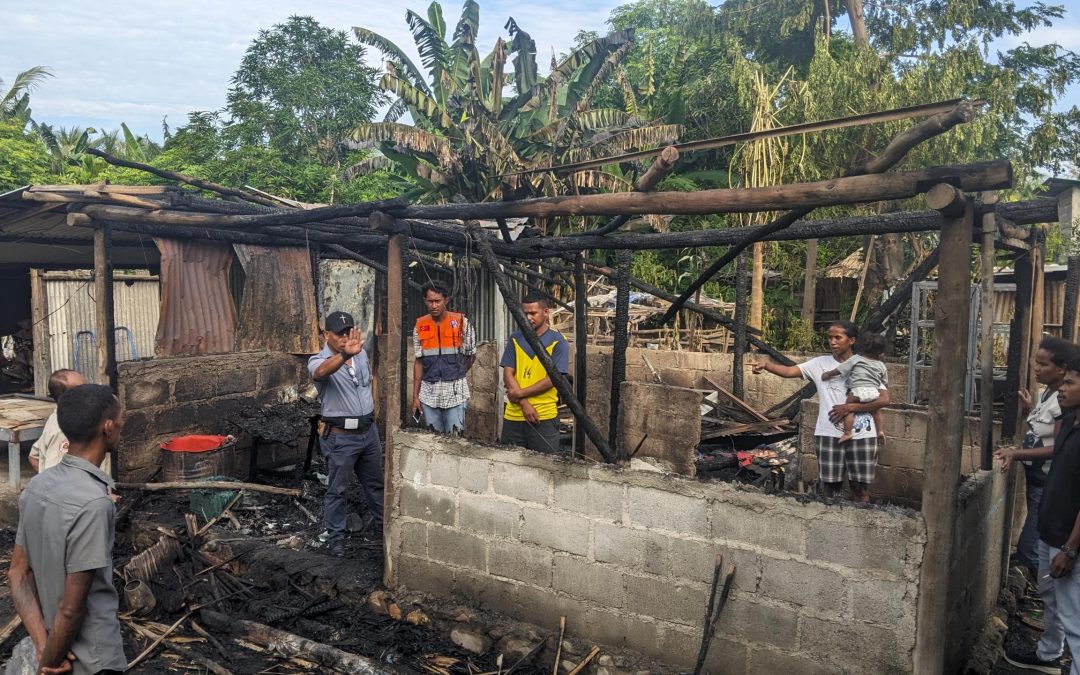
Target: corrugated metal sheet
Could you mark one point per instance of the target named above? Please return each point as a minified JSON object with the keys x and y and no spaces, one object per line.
{"x":70,"y":310}
{"x":347,"y":286}
{"x":278,"y":310}
{"x":197,"y":311}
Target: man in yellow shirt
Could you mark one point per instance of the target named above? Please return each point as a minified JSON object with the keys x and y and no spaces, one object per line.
{"x":531,"y":416}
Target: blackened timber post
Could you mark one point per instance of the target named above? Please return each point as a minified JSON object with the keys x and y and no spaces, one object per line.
{"x":581,"y":339}
{"x":945,"y":425}
{"x":105,"y":318}
{"x":1069,"y":222}
{"x":986,"y":338}
{"x":620,"y":343}
{"x":742,"y":311}
{"x":394,"y":387}
{"x":1019,"y":344}
{"x":566,"y":392}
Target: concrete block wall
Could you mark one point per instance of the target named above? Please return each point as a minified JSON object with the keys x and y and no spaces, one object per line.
{"x":900,"y":461}
{"x":166,"y":397}
{"x":976,"y":561}
{"x":627,"y":557}
{"x":688,"y":369}
{"x":662,"y":422}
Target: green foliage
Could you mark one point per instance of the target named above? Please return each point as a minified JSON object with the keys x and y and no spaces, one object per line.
{"x":300,"y":89}
{"x":469,"y":139}
{"x":23,"y":159}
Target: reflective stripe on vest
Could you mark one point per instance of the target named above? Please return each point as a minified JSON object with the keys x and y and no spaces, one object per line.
{"x":440,"y":347}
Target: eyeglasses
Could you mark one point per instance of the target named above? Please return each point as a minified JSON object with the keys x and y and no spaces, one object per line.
{"x":352,"y":374}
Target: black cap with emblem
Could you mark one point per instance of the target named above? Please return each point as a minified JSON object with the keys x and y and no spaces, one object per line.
{"x":339,"y":321}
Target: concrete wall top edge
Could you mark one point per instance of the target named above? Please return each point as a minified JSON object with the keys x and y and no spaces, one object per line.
{"x":800,"y":506}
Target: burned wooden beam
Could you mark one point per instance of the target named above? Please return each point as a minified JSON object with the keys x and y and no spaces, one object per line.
{"x":860,"y":186}
{"x":657,"y":172}
{"x":622,"y":338}
{"x":487,"y":257}
{"x":944,"y":430}
{"x":895,"y":151}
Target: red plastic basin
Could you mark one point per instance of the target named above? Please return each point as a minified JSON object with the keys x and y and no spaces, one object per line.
{"x":194,"y":443}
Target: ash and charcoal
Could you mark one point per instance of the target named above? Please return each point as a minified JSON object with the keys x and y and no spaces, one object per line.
{"x":772,"y":467}
{"x":275,"y":422}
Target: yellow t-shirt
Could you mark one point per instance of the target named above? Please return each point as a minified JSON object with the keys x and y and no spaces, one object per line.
{"x":528,"y":371}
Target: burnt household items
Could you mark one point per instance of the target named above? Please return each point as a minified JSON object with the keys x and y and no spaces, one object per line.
{"x":531,"y":415}
{"x":856,"y":458}
{"x":444,"y":345}
{"x":350,"y":440}
{"x":61,"y":574}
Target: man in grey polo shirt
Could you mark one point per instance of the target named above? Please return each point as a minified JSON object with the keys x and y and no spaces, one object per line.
{"x":350,"y":444}
{"x":61,"y":568}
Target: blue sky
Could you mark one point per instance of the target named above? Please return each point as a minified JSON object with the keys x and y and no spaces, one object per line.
{"x":138,"y":61}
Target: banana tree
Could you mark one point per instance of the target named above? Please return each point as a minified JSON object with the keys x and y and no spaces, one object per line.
{"x":476,"y":127}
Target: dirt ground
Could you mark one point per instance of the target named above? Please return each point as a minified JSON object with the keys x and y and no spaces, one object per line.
{"x":263,"y":562}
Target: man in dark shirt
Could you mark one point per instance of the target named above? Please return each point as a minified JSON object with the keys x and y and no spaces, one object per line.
{"x":1059,"y":539}
{"x":61,"y":568}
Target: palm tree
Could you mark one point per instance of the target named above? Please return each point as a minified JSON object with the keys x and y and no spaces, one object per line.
{"x":15,"y":104}
{"x":471,"y":140}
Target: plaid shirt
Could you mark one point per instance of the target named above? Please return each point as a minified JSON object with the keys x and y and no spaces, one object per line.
{"x":455,"y":392}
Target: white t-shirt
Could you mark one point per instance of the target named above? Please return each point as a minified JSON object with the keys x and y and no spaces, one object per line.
{"x":832,"y":393}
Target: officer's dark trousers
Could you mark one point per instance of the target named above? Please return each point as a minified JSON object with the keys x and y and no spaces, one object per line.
{"x":346,"y":455}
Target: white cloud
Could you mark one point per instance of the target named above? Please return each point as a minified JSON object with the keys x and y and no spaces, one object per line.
{"x":141,"y":60}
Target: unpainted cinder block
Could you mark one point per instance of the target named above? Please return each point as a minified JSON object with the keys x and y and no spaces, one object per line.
{"x":619,"y":629}
{"x":416,"y":573}
{"x":681,"y":645}
{"x":661,"y":510}
{"x":695,"y":560}
{"x":770,"y":662}
{"x":413,"y":461}
{"x":521,"y":482}
{"x":426,"y":503}
{"x":145,"y":393}
{"x":457,"y":548}
{"x":481,"y":514}
{"x":559,"y":531}
{"x":590,"y":581}
{"x":529,"y":564}
{"x":857,"y":647}
{"x":745,"y":619}
{"x":658,"y":597}
{"x":883,"y":601}
{"x":775,"y":531}
{"x":465,"y":473}
{"x":592,"y":498}
{"x":863,"y":548}
{"x":637,"y":549}
{"x":802,"y":584}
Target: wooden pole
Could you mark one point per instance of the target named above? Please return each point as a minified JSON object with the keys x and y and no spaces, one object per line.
{"x":742,"y":310}
{"x":581,"y":340}
{"x":657,"y":172}
{"x":618,"y":351}
{"x":1038,"y":302}
{"x":1069,"y":223}
{"x":896,"y":150}
{"x":39,"y":315}
{"x":944,"y":438}
{"x":1019,"y":344}
{"x":394,"y":387}
{"x":809,"y":298}
{"x":868,"y":256}
{"x":566,"y":393}
{"x":104,"y":323}
{"x":986,"y":340}
{"x":852,"y":189}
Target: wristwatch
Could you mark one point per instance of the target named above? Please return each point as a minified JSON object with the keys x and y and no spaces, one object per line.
{"x":1069,"y":552}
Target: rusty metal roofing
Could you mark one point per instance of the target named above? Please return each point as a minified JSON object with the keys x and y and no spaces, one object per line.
{"x":197,"y":311}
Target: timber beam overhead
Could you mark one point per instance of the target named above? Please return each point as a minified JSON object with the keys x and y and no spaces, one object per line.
{"x":835,"y":192}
